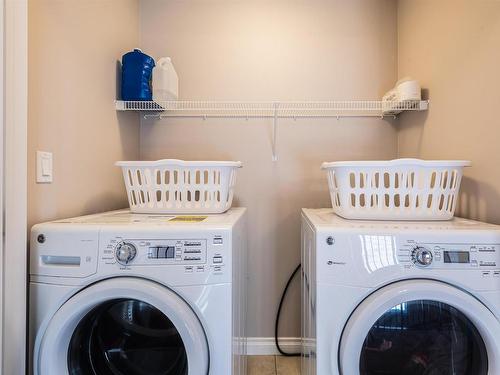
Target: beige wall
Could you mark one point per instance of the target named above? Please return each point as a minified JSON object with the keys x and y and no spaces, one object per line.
{"x":262,"y":50}
{"x":452,"y":48}
{"x":73,"y":50}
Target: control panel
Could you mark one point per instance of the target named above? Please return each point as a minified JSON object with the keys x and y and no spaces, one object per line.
{"x":449,"y":256}
{"x":130,"y":252}
{"x":179,"y":250}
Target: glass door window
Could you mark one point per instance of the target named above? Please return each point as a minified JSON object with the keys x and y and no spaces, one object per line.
{"x":126,"y":337}
{"x":423,"y":337}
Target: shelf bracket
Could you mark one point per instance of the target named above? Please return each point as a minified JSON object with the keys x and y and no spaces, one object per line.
{"x":275,"y":131}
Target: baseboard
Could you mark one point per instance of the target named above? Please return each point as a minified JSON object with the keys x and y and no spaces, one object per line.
{"x":266,"y":345}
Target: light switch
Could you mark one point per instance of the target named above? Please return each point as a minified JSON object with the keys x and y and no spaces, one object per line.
{"x":43,"y":167}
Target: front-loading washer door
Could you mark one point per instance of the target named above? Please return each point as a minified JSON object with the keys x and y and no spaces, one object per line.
{"x":123,"y":326}
{"x":420,"y":327}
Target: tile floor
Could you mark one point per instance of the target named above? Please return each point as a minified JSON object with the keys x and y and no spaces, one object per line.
{"x":273,"y":365}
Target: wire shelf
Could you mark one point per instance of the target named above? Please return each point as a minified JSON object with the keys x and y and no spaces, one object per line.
{"x":271,"y":109}
{"x":274,"y":110}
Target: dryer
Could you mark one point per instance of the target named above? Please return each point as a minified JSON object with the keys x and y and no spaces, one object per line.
{"x":121,"y":293}
{"x":399,"y":297}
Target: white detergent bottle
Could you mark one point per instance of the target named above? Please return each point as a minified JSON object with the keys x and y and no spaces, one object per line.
{"x":165,"y":81}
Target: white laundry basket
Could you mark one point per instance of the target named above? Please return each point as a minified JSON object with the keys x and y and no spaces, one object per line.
{"x":179,"y":187}
{"x":401,"y":189}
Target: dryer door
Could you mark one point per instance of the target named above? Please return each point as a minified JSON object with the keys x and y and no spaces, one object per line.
{"x":123,"y":326}
{"x":420,"y":327}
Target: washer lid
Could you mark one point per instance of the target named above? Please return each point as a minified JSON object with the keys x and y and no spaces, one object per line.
{"x":125,"y":219}
{"x":326,"y":218}
{"x":421,"y":327}
{"x":126,"y":326}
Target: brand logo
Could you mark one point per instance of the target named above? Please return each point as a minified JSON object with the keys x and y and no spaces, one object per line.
{"x":331,"y":263}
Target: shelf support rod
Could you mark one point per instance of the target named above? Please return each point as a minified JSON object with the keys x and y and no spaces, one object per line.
{"x":275,"y":131}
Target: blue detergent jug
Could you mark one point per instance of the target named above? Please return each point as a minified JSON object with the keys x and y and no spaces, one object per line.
{"x":137,"y":69}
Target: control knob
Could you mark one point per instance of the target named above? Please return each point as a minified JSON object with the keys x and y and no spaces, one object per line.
{"x":125,"y":253}
{"x":421,"y":256}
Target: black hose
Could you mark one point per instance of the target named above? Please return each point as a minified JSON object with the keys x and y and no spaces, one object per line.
{"x":276,"y":325}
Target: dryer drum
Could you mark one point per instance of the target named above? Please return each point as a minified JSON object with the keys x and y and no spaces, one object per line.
{"x":423,"y":337}
{"x":126,"y":337}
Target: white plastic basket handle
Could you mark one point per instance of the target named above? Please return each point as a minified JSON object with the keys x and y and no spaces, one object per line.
{"x":177,"y":162}
{"x":398,"y":162}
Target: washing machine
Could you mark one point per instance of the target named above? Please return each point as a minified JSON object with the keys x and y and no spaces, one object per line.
{"x":394,"y":298}
{"x":120,"y":293}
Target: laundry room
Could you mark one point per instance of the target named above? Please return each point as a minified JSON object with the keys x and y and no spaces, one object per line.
{"x":268,"y":187}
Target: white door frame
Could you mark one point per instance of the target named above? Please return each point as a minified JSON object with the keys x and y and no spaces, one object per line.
{"x":378,"y":303}
{"x":51,"y":347}
{"x":13,"y":259}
